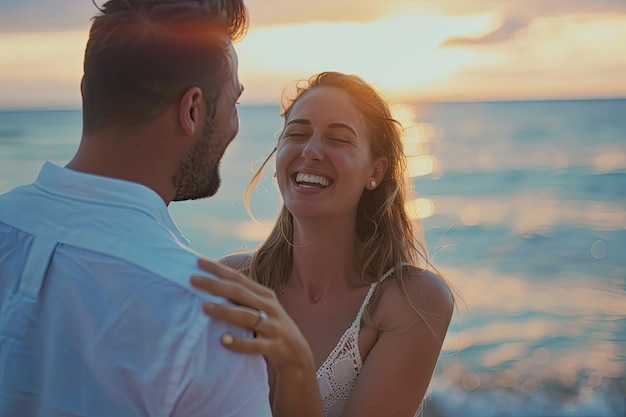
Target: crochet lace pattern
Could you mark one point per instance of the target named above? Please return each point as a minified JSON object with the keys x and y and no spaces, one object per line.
{"x":337,"y":375}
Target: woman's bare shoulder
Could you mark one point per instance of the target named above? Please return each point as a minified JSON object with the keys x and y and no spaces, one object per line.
{"x":415,"y":288}
{"x":237,"y":260}
{"x":430,"y":285}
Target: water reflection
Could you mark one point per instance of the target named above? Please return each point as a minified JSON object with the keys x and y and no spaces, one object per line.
{"x":524,"y":207}
{"x":420,"y":208}
{"x":531,"y":211}
{"x":610,"y":159}
{"x":530,"y":226}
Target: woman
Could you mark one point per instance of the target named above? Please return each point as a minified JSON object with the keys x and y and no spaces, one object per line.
{"x":340,"y":300}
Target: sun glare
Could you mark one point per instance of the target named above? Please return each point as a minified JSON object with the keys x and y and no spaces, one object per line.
{"x":417,"y":138}
{"x":400,"y":54}
{"x":394,"y":53}
{"x":420,"y":208}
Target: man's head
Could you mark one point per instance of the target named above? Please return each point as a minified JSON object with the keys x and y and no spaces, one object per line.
{"x":198,"y":174}
{"x":145,"y":56}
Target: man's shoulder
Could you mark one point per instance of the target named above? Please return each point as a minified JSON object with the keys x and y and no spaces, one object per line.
{"x":13,"y":197}
{"x":137,"y":245}
{"x":166,"y":265}
{"x":238,"y":260}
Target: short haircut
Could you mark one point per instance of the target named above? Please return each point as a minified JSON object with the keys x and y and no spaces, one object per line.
{"x":142,"y":55}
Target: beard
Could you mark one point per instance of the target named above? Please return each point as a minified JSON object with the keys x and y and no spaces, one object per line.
{"x":198,"y":176}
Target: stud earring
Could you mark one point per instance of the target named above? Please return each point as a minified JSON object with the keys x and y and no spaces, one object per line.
{"x":373,"y":183}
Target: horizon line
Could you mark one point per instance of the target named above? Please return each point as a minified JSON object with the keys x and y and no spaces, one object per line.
{"x":61,"y":108}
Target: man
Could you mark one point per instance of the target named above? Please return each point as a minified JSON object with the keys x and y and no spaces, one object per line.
{"x":97,"y":317}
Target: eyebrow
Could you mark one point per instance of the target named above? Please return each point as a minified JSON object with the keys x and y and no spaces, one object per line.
{"x":334,"y":124}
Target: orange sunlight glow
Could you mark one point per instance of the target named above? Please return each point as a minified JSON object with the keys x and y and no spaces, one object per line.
{"x":38,"y":68}
{"x":420,"y":208}
{"x":417,"y":137}
{"x":404,"y":55}
{"x":569,"y":56}
{"x":393,"y":53}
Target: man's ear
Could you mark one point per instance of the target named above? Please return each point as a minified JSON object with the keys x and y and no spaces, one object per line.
{"x":379,"y":169}
{"x":191,"y":111}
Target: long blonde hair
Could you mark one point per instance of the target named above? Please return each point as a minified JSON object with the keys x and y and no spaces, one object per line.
{"x":388,"y":236}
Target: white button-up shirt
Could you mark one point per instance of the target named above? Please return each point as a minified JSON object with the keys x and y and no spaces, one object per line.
{"x":97,"y":317}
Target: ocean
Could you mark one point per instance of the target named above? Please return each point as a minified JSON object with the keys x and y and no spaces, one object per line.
{"x":523,"y":205}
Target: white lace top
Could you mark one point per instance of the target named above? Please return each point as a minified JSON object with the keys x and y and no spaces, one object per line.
{"x":336,"y":376}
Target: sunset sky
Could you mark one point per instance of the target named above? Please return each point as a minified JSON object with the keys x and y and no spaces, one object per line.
{"x":412,"y":50}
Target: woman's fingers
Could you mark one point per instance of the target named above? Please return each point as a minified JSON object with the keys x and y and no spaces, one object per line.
{"x":242,"y":316}
{"x":235,"y":286}
{"x":230,"y":274}
{"x":222,"y":270}
{"x":230,"y":290}
{"x":246,"y":345}
{"x":278,"y":338}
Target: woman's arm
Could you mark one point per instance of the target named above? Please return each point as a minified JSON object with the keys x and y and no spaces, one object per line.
{"x":400,"y":365}
{"x":294,"y":389}
{"x":396,"y":371}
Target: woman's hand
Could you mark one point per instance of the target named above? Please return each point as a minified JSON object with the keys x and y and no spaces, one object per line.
{"x":256,"y":307}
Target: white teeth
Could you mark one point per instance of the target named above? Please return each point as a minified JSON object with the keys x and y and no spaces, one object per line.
{"x":312,"y":179}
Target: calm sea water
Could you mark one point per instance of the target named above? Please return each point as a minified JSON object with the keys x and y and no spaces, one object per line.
{"x":524,"y":209}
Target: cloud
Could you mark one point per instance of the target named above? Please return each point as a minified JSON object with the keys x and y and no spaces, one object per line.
{"x":515,"y":16}
{"x":531,"y":7}
{"x":507,"y":30}
{"x":53,"y":15}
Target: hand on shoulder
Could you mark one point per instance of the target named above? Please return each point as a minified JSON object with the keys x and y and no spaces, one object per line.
{"x":237,"y":260}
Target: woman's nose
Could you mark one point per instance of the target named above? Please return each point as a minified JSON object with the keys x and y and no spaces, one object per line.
{"x":313,"y":149}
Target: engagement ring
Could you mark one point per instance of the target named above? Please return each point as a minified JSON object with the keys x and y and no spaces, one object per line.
{"x":262,"y":317}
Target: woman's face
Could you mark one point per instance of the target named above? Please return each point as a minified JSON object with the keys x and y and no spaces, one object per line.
{"x":323,"y":162}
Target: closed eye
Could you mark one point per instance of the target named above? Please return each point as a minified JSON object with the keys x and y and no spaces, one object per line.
{"x":295,"y":135}
{"x":339,"y":139}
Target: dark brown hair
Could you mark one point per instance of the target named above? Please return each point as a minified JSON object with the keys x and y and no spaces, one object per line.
{"x":144,"y":54}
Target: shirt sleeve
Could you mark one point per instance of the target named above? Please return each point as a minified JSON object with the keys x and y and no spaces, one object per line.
{"x":218,"y":382}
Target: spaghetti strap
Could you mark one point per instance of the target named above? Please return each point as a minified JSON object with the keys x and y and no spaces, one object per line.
{"x":336,"y":376}
{"x":373,"y":286}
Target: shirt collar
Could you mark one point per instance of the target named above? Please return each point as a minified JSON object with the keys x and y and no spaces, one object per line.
{"x":97,"y":189}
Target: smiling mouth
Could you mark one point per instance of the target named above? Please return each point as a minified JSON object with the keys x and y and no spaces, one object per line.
{"x":311,"y":181}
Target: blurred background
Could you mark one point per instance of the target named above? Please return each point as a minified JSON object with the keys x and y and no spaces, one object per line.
{"x":515,"y":116}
